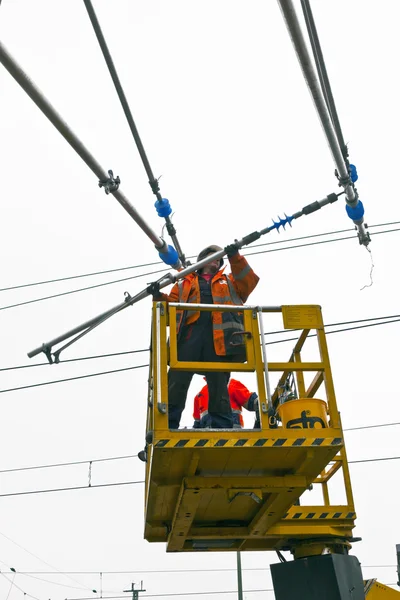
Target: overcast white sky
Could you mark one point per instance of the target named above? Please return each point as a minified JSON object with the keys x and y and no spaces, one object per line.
{"x":226,"y":119}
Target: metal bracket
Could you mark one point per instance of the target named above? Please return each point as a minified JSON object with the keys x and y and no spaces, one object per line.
{"x":111,"y":184}
{"x":162,"y":408}
{"x":47,"y":351}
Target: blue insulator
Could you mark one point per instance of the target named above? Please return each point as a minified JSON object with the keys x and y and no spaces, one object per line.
{"x":355,"y":213}
{"x":170,"y":257}
{"x":282,"y":222}
{"x":353,"y":173}
{"x":163,"y":207}
{"x":289,"y":219}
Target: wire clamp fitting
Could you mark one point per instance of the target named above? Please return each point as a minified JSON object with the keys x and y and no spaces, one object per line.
{"x":344,"y":182}
{"x":111,"y":184}
{"x":155,"y":187}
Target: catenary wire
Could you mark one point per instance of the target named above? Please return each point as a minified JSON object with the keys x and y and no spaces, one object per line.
{"x":65,"y":585}
{"x":119,"y":483}
{"x":43,"y":561}
{"x":46,"y":364}
{"x":146,"y":365}
{"x":13,"y":584}
{"x":173,"y":571}
{"x":68,"y":489}
{"x":33,"y":385}
{"x":334,"y":324}
{"x":163,"y":270}
{"x":130,"y":456}
{"x":68,"y":464}
{"x":215,"y":593}
{"x":150,"y":264}
{"x":90,"y":287}
{"x":335,"y":331}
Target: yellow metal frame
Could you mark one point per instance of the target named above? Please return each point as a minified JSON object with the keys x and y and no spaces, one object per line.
{"x":242,"y":489}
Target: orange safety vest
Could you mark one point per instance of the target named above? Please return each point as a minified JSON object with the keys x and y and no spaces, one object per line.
{"x":238,"y":395}
{"x":234,"y":289}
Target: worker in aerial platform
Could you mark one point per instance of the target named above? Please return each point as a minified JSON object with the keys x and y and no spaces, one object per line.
{"x":240,"y":397}
{"x":205,"y":335}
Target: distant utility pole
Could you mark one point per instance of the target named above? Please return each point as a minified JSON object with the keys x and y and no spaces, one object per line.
{"x":239,"y":576}
{"x":135,"y":593}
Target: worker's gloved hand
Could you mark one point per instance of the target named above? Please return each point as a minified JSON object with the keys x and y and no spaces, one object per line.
{"x":154,"y":290}
{"x":232,"y":249}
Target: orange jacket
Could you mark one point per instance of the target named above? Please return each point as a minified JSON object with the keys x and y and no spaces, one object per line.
{"x":234,"y":288}
{"x":238,"y":395}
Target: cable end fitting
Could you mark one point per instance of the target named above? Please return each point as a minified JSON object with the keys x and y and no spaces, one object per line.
{"x":163,"y":207}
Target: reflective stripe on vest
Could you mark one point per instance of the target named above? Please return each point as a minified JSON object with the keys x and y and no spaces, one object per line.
{"x":233,"y":293}
{"x":243,"y":272}
{"x":228,"y":325}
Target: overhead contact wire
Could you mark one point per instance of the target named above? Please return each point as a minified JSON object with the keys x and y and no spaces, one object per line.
{"x":34,"y":300}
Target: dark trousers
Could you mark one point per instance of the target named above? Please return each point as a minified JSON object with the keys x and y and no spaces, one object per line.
{"x":196,"y":344}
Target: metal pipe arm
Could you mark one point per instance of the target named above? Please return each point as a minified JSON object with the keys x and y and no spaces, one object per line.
{"x":49,"y":111}
{"x":310,"y":75}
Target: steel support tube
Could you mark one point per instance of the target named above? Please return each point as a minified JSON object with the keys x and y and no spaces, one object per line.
{"x":309,"y":73}
{"x":163,"y":282}
{"x":48,"y":110}
{"x":128,"y":114}
{"x":120,"y":91}
{"x":264,"y":355}
{"x":77,"y":330}
{"x":307,"y":67}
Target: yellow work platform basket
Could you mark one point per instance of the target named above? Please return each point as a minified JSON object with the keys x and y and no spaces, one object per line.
{"x":245,"y":489}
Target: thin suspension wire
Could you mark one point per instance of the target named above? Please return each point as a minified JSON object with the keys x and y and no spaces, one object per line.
{"x":90,"y":287}
{"x":284,"y":241}
{"x":214,"y":593}
{"x":33,"y":385}
{"x":67,"y":360}
{"x":13,"y":584}
{"x":163,"y":270}
{"x":130,"y":456}
{"x":370,"y":426}
{"x":334,"y":324}
{"x":111,"y":354}
{"x":39,"y":559}
{"x":173,"y":571}
{"x":67,"y":464}
{"x":335,"y":331}
{"x":68,"y":489}
{"x":120,"y":483}
{"x":146,"y":365}
{"x":25,"y":285}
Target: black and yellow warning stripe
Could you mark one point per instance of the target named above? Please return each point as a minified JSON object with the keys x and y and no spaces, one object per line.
{"x":248,"y":443}
{"x":321,"y":515}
